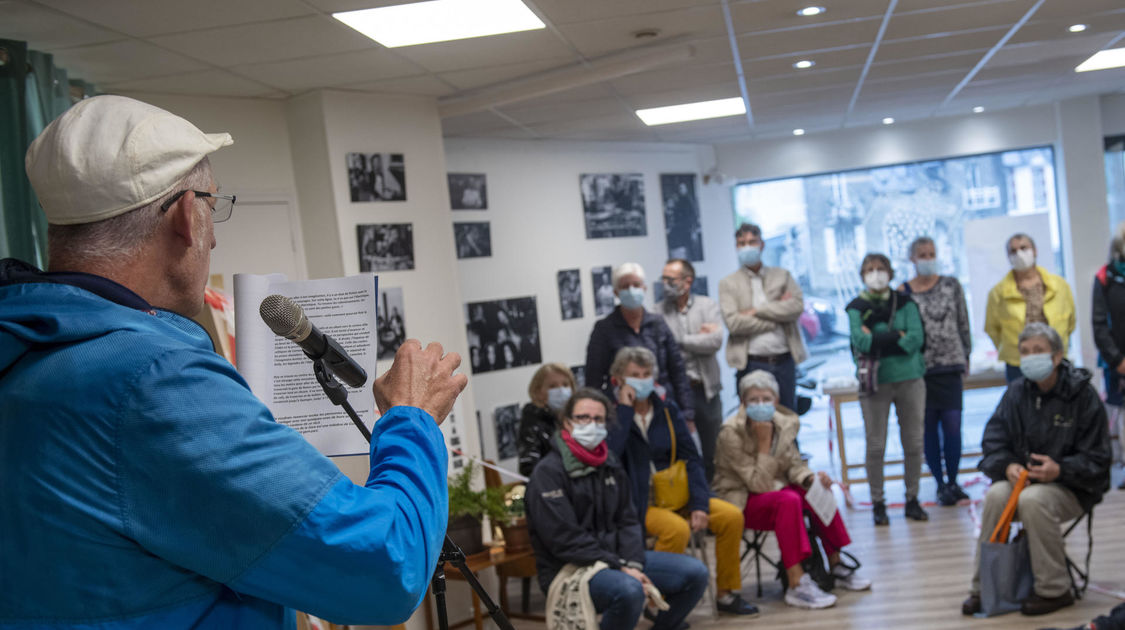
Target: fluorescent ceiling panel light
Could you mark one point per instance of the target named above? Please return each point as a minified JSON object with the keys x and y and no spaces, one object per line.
{"x":440,"y":21}
{"x":804,"y":63}
{"x":1077,"y":28}
{"x":1103,"y":60}
{"x":810,"y":11}
{"x":888,"y":121}
{"x":798,"y":132}
{"x":692,"y":111}
{"x":978,"y":109}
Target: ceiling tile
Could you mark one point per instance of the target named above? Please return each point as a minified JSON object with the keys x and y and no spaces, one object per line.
{"x":153,"y":17}
{"x":962,"y":62}
{"x":334,"y":6}
{"x":805,"y":83}
{"x":599,"y":37}
{"x":907,"y":85}
{"x":421,"y":85}
{"x":825,"y":61}
{"x":1036,"y":52}
{"x":122,"y":61}
{"x":612,"y":122}
{"x":1056,"y":30}
{"x":773,"y":44}
{"x":680,"y":76}
{"x":1077,"y":8}
{"x":760,"y":15}
{"x":713,"y":50}
{"x":479,"y":77}
{"x":329,"y":70}
{"x":725,"y":89}
{"x":540,"y":114}
{"x":566,"y":11}
{"x":207,"y":82}
{"x":269,"y":41}
{"x":977,"y":39}
{"x":479,"y":123}
{"x":581,"y":94}
{"x":489,"y":51}
{"x":46,"y":30}
{"x":956,"y":17}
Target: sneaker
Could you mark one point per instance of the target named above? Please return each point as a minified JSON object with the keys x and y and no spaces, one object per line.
{"x":914,"y":510}
{"x":737,"y":606}
{"x":1037,"y":605}
{"x":849,"y":580}
{"x":945,"y":496}
{"x":971,"y":605}
{"x":879,"y":511}
{"x":808,"y":595}
{"x":957,"y":492}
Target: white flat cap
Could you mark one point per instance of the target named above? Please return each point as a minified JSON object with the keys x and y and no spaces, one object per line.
{"x":107,"y":155}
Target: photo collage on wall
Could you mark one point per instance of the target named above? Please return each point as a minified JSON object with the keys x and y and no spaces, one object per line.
{"x":502,"y":334}
{"x":681,"y":217}
{"x":601,"y":279}
{"x":506,"y":422}
{"x":385,"y":246}
{"x":570,"y":293}
{"x":376,"y":176}
{"x":391,"y":322}
{"x":613,"y":205}
{"x":469,"y":191}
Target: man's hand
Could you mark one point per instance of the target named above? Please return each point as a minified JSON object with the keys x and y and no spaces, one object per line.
{"x":421,"y":378}
{"x":865,"y":330}
{"x":626,"y":395}
{"x":699,"y":520}
{"x":825,"y":480}
{"x":636,"y":575}
{"x":749,"y":312}
{"x":708,"y":327}
{"x":1013,"y":473}
{"x":1043,"y":468}
{"x":785,"y":296}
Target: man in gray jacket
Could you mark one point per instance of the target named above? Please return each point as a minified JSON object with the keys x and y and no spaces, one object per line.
{"x":760,"y":306}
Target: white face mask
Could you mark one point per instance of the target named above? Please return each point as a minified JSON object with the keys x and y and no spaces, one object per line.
{"x":877,"y":280}
{"x":1023,"y":259}
{"x":589,"y":435}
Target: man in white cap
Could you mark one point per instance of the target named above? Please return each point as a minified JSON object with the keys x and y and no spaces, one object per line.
{"x":144,"y":486}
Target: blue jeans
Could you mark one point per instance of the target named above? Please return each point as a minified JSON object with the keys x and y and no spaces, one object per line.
{"x":620,"y":598}
{"x":948,"y":440}
{"x":785,"y":371}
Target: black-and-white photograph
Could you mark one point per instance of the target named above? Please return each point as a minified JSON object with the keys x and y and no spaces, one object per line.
{"x":473,"y":240}
{"x":391,"y":322}
{"x":601,"y":278}
{"x":570,"y":293}
{"x":681,"y":217}
{"x":579,"y":372}
{"x":698,"y":287}
{"x":377,"y":176}
{"x":502,"y":334}
{"x":506,"y":424}
{"x":385,"y":246}
{"x":468,"y":191}
{"x":613,"y":204}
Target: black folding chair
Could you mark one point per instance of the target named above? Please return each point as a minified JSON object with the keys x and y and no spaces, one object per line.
{"x":755,"y":540}
{"x":1080,"y":577}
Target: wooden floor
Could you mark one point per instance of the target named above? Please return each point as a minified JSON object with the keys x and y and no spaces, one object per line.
{"x":921,"y":574}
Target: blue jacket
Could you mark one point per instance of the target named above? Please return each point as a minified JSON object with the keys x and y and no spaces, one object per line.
{"x":637,"y":451}
{"x":142,"y":485}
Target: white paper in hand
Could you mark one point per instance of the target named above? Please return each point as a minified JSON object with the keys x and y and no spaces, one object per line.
{"x":822,"y":501}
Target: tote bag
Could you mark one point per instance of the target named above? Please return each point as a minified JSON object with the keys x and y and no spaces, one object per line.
{"x":1005,"y":567}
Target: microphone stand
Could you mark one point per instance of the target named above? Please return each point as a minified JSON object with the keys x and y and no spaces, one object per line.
{"x":450,"y":552}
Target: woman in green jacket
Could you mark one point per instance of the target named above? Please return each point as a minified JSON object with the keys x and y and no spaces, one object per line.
{"x":886,"y":328}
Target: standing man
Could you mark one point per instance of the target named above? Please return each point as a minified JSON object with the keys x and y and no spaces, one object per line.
{"x":696,"y":324}
{"x":760,"y":306}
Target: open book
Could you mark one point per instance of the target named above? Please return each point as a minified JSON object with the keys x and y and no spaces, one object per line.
{"x":280,"y":374}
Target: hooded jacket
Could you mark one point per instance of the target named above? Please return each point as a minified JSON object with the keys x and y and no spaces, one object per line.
{"x":1066,"y":423}
{"x":580,"y":514}
{"x":740,"y":470}
{"x":144,"y":486}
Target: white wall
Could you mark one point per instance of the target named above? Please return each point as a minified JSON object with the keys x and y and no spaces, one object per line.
{"x":1113,"y":114}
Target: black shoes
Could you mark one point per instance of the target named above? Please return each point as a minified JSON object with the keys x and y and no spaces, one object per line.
{"x":971,"y":605}
{"x":1036,"y":605}
{"x":737,"y":606}
{"x":880,"y":513}
{"x":914,"y":510}
{"x":945,"y":496}
{"x":957,"y":492}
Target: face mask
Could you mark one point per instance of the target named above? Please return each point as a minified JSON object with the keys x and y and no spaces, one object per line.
{"x":1022,"y":260}
{"x":589,"y":435}
{"x":760,"y":412}
{"x":1036,"y":367}
{"x":877,"y":280}
{"x":673,"y":292}
{"x":632,"y":297}
{"x":750,"y":255}
{"x":557,"y":397}
{"x":644,"y":386}
{"x":927,"y":267}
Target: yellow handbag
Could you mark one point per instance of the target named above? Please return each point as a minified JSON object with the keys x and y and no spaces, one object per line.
{"x":670,"y":486}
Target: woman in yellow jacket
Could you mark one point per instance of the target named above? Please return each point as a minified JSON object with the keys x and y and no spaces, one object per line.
{"x":1028,"y":294}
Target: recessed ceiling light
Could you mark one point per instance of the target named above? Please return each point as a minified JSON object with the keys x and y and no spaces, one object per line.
{"x":798,"y":132}
{"x":978,"y":109}
{"x":1103,"y":60}
{"x":888,"y":121}
{"x":804,"y":63}
{"x":440,"y":21}
{"x":1077,"y":28}
{"x":810,"y":11}
{"x":692,"y":111}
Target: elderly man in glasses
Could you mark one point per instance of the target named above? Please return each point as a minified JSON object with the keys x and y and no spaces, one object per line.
{"x":144,"y":486}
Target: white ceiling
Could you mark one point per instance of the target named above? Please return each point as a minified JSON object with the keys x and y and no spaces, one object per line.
{"x":931,"y":58}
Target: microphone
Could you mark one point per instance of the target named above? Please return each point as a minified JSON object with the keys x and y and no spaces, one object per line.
{"x":287,"y":319}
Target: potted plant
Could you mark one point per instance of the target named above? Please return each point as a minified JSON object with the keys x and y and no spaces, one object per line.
{"x":468,"y":506}
{"x":513,"y":523}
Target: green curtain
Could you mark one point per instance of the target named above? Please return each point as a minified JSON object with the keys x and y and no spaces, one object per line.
{"x":33,"y":92}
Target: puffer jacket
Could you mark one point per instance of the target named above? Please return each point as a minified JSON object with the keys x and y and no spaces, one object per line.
{"x":740,"y":470}
{"x":1066,"y":423}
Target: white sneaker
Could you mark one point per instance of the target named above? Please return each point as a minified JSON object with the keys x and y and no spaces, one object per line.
{"x":850,"y":580}
{"x":808,"y":595}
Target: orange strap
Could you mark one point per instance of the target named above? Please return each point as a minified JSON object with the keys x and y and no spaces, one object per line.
{"x":1004,"y":526}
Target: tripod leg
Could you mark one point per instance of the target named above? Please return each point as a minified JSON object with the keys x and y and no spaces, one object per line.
{"x":438,"y":586}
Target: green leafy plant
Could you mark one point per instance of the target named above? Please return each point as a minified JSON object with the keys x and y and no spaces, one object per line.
{"x":465,"y":501}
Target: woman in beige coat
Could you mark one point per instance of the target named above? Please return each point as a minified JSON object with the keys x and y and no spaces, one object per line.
{"x":758,"y":467}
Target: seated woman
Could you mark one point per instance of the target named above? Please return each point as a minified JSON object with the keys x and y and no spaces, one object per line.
{"x":579,"y":512}
{"x":643,"y":439}
{"x":757,"y":465}
{"x":550,"y":388}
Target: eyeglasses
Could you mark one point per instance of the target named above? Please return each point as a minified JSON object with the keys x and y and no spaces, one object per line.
{"x":583,"y":418}
{"x":221,"y":211}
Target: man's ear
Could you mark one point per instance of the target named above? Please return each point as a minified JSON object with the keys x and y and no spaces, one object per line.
{"x":182,"y":216}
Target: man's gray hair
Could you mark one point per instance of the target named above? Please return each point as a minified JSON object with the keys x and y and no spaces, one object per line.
{"x":758,"y":379}
{"x":627,"y":269}
{"x":920,"y":241}
{"x":1117,"y":246}
{"x":639,"y":355}
{"x":123,"y":235}
{"x":1018,"y":235}
{"x":1036,"y":330}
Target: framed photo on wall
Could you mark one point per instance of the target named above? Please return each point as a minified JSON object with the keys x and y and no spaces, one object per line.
{"x":385,"y":246}
{"x":502,"y":334}
{"x":507,"y":422}
{"x":468,"y":191}
{"x":473,"y":240}
{"x":376,"y":176}
{"x":391,"y":322}
{"x":601,"y":278}
{"x":613,"y":204}
{"x":570,"y":293}
{"x":681,"y":217}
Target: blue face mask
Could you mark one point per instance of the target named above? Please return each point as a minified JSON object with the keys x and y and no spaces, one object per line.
{"x":1036,"y":367}
{"x":927,"y":267}
{"x":643,"y":386}
{"x":557,"y":397}
{"x":632,"y":297}
{"x":750,"y":255}
{"x":760,"y":412}
{"x":589,"y":435}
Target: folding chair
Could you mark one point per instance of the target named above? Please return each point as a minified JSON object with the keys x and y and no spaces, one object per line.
{"x":1080,"y":577}
{"x":755,"y":539}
